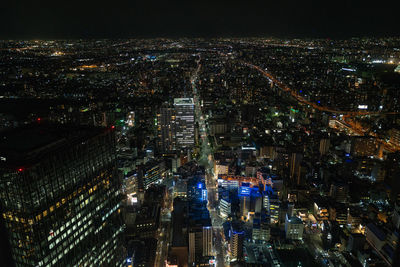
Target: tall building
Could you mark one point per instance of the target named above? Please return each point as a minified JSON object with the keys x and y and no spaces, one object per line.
{"x":295,"y":167}
{"x":225,"y":207}
{"x":176,"y":126}
{"x":184,"y":110}
{"x":60,"y":198}
{"x":339,"y":191}
{"x":167,"y":129}
{"x":200,"y":240}
{"x":324,"y":146}
{"x":236,"y":241}
{"x":200,"y":231}
{"x":207,"y":241}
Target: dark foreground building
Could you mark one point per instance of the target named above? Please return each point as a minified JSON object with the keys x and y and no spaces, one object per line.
{"x":60,"y":198}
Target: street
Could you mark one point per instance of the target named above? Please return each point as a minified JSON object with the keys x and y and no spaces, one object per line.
{"x":206,"y":160}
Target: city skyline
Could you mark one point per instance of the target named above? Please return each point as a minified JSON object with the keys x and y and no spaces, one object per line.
{"x":217,"y":152}
{"x":154,"y":18}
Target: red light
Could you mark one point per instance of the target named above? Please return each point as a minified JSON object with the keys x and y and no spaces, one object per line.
{"x":20,"y":169}
{"x":39,"y":119}
{"x":113,"y":127}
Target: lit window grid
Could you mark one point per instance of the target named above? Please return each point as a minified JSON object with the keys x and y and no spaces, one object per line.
{"x":27,"y":200}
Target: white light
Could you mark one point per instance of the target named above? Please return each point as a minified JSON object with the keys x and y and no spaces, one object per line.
{"x":362,"y":106}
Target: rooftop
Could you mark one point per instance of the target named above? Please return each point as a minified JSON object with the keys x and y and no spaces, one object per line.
{"x":183,"y":101}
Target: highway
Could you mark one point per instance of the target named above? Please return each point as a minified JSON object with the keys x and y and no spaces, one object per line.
{"x":347,"y":114}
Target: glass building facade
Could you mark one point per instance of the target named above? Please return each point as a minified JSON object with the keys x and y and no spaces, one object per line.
{"x":60,"y":196}
{"x":184,"y":108}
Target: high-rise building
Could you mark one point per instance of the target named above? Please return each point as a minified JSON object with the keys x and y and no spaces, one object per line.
{"x":176,"y":126}
{"x":207,"y":241}
{"x":195,"y":244}
{"x":167,"y":129}
{"x":225,"y":207}
{"x":200,"y":240}
{"x":339,"y":191}
{"x":295,"y":167}
{"x":324,"y":146}
{"x":236,"y":241}
{"x":60,"y":197}
{"x":184,"y":110}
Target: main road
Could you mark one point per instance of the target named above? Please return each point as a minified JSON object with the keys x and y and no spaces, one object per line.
{"x":164,"y":232}
{"x":206,"y":160}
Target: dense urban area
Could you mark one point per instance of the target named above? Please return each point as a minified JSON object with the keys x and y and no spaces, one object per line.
{"x":200,"y":152}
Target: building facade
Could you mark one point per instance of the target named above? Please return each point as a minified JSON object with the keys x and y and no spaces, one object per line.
{"x":60,"y":197}
{"x":184,"y":110}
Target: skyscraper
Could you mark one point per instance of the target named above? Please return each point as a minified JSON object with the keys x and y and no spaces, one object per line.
{"x":167,"y":129}
{"x":236,"y":241}
{"x":207,"y":240}
{"x":60,"y":198}
{"x":184,"y":110}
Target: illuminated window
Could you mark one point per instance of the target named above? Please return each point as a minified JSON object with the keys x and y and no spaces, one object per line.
{"x":52,"y":208}
{"x":45,"y":213}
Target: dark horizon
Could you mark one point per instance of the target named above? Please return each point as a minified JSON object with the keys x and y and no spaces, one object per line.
{"x":121,"y":19}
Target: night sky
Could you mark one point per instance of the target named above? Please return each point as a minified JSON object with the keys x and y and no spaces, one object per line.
{"x":29,"y":19}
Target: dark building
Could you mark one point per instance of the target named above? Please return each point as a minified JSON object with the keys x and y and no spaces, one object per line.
{"x":59,"y":190}
{"x":167,"y":129}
